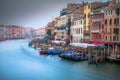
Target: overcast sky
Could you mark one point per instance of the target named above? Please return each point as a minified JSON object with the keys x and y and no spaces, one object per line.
{"x":31,"y":13}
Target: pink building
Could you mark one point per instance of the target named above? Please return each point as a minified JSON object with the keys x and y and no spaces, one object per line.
{"x":40,"y":32}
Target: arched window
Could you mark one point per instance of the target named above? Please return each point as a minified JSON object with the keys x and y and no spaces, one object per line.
{"x":79,"y":30}
{"x":105,"y":21}
{"x":115,"y":21}
{"x":110,"y":21}
{"x":81,"y":22}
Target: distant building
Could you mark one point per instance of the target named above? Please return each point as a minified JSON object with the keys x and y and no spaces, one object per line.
{"x":2,"y":32}
{"x":40,"y":32}
{"x":30,"y":32}
{"x":50,"y":29}
{"x":14,"y":32}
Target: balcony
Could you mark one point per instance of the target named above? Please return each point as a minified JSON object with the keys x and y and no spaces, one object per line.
{"x":95,"y":31}
{"x":95,"y":20}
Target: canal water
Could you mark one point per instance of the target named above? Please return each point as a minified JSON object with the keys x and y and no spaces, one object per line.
{"x":20,"y":62}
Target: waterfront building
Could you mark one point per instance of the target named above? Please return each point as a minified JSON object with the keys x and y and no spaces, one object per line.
{"x":16,"y":32}
{"x":87,"y":10}
{"x":112,"y":27}
{"x":58,"y":32}
{"x":13,"y":32}
{"x":78,"y":25}
{"x":69,"y":13}
{"x":97,"y":22}
{"x":66,"y":16}
{"x":77,"y":30}
{"x":2,"y":32}
{"x":40,"y":32}
{"x":50,"y":29}
{"x":28,"y":32}
{"x":62,"y":28}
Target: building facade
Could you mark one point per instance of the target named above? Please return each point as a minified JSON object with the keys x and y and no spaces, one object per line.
{"x":77,"y":30}
{"x":87,"y":10}
{"x":40,"y":32}
{"x":78,"y":25}
{"x":50,"y":30}
{"x":12,"y":32}
{"x":58,"y":32}
{"x":97,"y":22}
{"x":112,"y":26}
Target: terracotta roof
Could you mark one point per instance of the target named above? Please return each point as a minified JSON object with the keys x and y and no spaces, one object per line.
{"x":111,"y":7}
{"x":117,"y":5}
{"x":96,"y":3}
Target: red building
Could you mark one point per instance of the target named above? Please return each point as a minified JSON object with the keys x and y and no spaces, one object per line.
{"x":50,"y":29}
{"x":97,"y":22}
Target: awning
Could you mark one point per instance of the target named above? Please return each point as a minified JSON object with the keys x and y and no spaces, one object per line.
{"x":57,"y":42}
{"x":84,"y":45}
{"x":99,"y":43}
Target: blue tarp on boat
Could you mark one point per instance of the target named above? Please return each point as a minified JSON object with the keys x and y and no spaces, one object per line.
{"x":56,"y":51}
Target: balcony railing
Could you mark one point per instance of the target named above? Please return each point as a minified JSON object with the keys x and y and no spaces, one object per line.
{"x":95,"y":31}
{"x":94,"y":20}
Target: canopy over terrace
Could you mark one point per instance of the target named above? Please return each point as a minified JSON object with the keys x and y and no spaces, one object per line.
{"x":83,"y":45}
{"x":99,"y":43}
{"x":57,"y":42}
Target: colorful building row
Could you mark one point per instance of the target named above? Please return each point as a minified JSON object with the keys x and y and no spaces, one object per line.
{"x":14,"y":32}
{"x":88,"y":22}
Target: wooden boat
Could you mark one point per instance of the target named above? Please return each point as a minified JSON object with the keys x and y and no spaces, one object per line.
{"x":42,"y":52}
{"x":52,"y":51}
{"x":71,"y":56}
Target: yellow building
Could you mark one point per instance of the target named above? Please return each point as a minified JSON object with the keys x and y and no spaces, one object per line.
{"x":87,"y":9}
{"x":57,"y":25}
{"x":86,"y":12}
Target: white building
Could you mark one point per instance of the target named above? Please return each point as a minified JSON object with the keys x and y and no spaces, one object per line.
{"x":77,"y":30}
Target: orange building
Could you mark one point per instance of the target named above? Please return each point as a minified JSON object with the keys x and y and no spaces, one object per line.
{"x":50,"y":28}
{"x":112,"y":27}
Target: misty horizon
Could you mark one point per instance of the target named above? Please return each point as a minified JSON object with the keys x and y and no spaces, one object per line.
{"x":32,"y":13}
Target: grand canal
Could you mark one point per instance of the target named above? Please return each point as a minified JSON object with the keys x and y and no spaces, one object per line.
{"x":20,"y":62}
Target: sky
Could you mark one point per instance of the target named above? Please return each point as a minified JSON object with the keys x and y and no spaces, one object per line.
{"x":32,"y":13}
